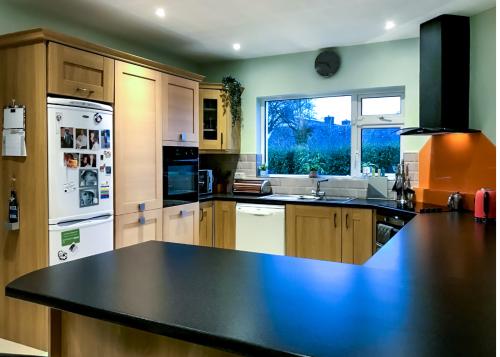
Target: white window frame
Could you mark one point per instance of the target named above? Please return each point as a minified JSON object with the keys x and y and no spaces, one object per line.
{"x":358,"y":122}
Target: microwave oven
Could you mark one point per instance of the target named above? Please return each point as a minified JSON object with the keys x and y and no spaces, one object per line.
{"x":205,"y":181}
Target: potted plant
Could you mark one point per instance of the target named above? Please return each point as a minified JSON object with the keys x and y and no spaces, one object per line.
{"x":263,"y":170}
{"x":231,"y":95}
{"x":313,"y":171}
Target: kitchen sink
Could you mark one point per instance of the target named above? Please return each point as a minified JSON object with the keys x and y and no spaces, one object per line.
{"x":302,"y":198}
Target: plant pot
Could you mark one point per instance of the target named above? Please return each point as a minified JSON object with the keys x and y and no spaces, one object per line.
{"x":313,"y":174}
{"x":263,"y":173}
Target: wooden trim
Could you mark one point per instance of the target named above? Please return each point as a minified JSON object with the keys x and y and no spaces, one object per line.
{"x":55,"y":333}
{"x":41,"y":35}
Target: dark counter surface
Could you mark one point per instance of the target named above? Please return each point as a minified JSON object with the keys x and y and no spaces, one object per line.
{"x":429,"y":292}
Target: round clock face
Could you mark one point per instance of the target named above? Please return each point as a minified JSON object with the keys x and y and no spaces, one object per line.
{"x":327,"y":63}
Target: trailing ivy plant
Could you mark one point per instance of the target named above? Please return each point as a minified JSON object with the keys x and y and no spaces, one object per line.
{"x":231,"y":95}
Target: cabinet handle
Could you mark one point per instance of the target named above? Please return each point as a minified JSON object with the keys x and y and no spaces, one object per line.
{"x":347,"y":220}
{"x":142,"y":207}
{"x":84,"y":90}
{"x":335,"y":220}
{"x":142,"y":220}
{"x":201,"y":215}
{"x":221,"y":139}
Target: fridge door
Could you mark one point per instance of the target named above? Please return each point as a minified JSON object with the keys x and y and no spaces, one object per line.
{"x":80,"y":160}
{"x":70,"y":241}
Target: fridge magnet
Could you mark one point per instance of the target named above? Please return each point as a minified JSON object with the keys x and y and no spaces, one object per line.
{"x":88,"y":177}
{"x":70,"y":237}
{"x":88,"y":160}
{"x":94,"y":140}
{"x":108,"y":170}
{"x":102,"y":167}
{"x":88,"y":197}
{"x":104,"y":192}
{"x":105,"y":139}
{"x":81,"y":139}
{"x":107,"y":154}
{"x":71,"y":160}
{"x":67,"y":135}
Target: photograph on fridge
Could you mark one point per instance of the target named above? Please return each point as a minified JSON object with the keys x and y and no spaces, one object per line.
{"x":71,"y":159}
{"x":94,"y":140}
{"x":88,"y":197}
{"x":81,"y":139}
{"x":88,"y":160}
{"x":67,"y":135}
{"x":105,"y":139}
{"x":88,"y":177}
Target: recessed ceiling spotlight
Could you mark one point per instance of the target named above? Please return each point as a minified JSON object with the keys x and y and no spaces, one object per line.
{"x":160,"y":12}
{"x":389,"y":25}
{"x":236,"y":46}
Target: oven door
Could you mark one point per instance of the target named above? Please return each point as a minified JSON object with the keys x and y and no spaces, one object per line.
{"x":180,"y":178}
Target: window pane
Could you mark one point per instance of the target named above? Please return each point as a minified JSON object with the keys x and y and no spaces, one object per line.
{"x":380,"y":148}
{"x":307,"y":133}
{"x":381,"y":105}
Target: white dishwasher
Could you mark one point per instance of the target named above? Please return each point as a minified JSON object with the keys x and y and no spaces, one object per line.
{"x":260,"y":228}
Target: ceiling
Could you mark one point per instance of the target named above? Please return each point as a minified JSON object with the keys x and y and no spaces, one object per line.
{"x":204,"y":30}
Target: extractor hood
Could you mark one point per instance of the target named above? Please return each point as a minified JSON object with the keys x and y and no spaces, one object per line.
{"x":444,"y":77}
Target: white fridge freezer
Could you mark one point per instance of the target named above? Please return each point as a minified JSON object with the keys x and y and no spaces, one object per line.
{"x":80,"y":171}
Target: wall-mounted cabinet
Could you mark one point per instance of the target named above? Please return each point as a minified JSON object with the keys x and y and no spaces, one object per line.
{"x":180,"y":111}
{"x":78,"y":73}
{"x":217,"y":132}
{"x":181,"y":223}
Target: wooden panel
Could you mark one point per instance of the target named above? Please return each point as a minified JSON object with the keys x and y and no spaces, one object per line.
{"x":225,"y":224}
{"x":180,"y":109}
{"x":23,"y":77}
{"x":207,"y":224}
{"x":208,"y":144}
{"x":181,"y":223}
{"x":313,"y":232}
{"x":138,"y":147}
{"x":84,"y":336}
{"x":82,"y":74}
{"x":357,"y":235}
{"x":130,"y":230}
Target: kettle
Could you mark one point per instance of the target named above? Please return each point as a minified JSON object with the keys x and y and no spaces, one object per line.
{"x":455,"y":201}
{"x":485,"y":205}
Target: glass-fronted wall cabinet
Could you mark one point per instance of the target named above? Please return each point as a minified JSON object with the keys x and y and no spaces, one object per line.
{"x":217,"y":132}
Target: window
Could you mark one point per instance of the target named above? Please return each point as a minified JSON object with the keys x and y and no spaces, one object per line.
{"x":337,"y":135}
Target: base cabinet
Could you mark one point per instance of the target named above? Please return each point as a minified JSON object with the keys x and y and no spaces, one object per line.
{"x":207,"y":224}
{"x":329,"y":233}
{"x":181,"y":224}
{"x":134,"y":228}
{"x":225,"y":224}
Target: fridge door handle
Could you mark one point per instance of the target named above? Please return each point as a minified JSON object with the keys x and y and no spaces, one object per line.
{"x":81,"y":223}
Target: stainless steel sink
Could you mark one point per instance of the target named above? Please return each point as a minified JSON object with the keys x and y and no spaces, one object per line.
{"x":302,"y":198}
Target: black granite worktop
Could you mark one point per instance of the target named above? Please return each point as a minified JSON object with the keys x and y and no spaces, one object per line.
{"x":430,"y":291}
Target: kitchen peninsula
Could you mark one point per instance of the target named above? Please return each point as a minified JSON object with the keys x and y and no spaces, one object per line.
{"x":429,"y":291}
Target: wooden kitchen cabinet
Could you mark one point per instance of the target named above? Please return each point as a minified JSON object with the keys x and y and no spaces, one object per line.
{"x":138,"y":139}
{"x":138,"y":227}
{"x":207,"y":224}
{"x":357,"y":235}
{"x":181,"y":223}
{"x":314,"y":232}
{"x":180,"y":110}
{"x":217,"y":132}
{"x":225,"y":224}
{"x":78,"y":73}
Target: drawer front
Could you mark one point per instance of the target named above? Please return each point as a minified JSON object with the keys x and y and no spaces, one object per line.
{"x":80,"y":74}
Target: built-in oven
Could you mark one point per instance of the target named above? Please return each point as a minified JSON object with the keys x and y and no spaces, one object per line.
{"x":180,"y":175}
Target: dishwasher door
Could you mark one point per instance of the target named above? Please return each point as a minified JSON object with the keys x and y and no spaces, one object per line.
{"x":260,"y":228}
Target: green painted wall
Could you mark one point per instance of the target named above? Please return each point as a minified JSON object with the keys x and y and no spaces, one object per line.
{"x":482,"y":73}
{"x":394,"y":63}
{"x":16,"y":18}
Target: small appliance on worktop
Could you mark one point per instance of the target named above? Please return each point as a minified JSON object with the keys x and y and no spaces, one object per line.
{"x":205,"y":181}
{"x":180,"y":175}
{"x":252,"y":187}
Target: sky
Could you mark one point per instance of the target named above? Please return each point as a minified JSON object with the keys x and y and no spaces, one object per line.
{"x":338,"y":107}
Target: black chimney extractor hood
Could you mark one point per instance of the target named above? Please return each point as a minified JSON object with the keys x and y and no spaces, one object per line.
{"x":444,"y":77}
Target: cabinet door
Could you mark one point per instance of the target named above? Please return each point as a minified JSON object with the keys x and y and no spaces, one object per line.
{"x":138,"y":147}
{"x":134,"y":228}
{"x":181,"y":224}
{"x":207,"y":224}
{"x":77,"y":73}
{"x":212,"y":120}
{"x":225,"y":224}
{"x":357,"y":235}
{"x":314,"y":232}
{"x":180,"y":109}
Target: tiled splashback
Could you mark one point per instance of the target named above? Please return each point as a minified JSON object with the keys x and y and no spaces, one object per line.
{"x":246,"y":165}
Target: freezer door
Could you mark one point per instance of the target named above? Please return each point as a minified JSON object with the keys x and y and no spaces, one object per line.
{"x":80,"y":162}
{"x":80,"y":239}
